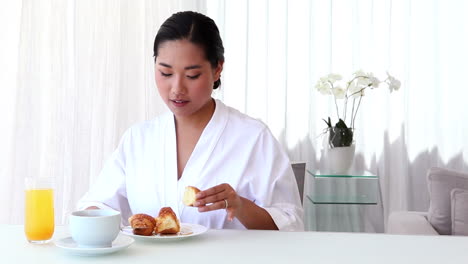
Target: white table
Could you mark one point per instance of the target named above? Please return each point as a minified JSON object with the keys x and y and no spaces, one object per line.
{"x":234,"y":246}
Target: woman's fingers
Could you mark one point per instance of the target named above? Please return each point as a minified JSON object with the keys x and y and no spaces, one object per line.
{"x":211,"y":191}
{"x":218,"y":197}
{"x":212,"y":195}
{"x":221,"y":196}
{"x":214,"y":206}
{"x":211,"y":199}
{"x":230,"y":213}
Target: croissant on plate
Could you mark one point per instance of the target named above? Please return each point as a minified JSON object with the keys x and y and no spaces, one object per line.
{"x":167,"y":222}
{"x":142,"y":224}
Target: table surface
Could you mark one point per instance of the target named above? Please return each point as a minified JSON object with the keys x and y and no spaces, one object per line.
{"x":242,"y":246}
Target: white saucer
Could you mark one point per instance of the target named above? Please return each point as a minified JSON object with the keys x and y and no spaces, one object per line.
{"x":70,"y":246}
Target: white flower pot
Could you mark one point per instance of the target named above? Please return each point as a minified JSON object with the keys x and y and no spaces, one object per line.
{"x":340,"y":159}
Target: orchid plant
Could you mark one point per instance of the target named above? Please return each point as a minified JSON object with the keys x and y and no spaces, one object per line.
{"x":341,"y":135}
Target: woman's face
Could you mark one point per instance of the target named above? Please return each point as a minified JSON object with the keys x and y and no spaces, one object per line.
{"x":184,"y":77}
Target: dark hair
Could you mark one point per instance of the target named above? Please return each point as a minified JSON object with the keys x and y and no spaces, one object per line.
{"x":196,"y":28}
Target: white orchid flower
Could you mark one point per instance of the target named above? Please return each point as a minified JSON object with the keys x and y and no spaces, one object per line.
{"x":323,"y":87}
{"x":354,"y":90}
{"x":359,"y":73}
{"x":332,"y":77}
{"x":393,"y":83}
{"x":363,"y":82}
{"x":339,"y":92}
{"x":374,"y":81}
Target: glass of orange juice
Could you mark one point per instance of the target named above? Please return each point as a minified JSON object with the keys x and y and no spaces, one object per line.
{"x":39,"y":209}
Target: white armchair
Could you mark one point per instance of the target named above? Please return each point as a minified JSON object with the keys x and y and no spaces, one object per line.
{"x":410,"y":222}
{"x":448,"y":209}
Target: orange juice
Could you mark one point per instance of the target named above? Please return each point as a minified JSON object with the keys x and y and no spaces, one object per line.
{"x":39,"y":215}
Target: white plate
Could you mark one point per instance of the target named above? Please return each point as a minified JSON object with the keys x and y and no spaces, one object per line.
{"x":186,"y":230}
{"x":70,"y":246}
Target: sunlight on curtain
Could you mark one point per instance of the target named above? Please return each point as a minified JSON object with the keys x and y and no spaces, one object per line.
{"x":9,"y":39}
{"x":83,"y":73}
{"x":277,"y":50}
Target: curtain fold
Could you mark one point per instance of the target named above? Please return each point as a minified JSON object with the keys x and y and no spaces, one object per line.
{"x":277,"y":50}
{"x":81,"y":73}
{"x":9,"y":39}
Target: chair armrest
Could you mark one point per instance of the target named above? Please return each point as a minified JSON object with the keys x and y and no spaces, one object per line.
{"x":410,"y":223}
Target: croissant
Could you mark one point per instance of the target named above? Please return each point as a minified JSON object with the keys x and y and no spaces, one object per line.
{"x":167,"y":222}
{"x":142,"y":224}
{"x":189,"y":195}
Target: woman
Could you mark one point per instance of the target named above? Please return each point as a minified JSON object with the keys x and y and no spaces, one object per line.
{"x":245,"y":177}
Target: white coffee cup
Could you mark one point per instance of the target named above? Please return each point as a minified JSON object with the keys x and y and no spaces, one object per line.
{"x":94,"y":228}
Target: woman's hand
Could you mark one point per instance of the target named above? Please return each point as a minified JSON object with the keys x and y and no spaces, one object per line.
{"x":221,"y":196}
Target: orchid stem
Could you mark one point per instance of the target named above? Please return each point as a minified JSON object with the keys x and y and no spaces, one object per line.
{"x":357,"y":108}
{"x":334,"y":97}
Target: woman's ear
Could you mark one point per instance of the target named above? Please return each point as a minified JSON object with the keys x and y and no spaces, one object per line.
{"x":218,"y":70}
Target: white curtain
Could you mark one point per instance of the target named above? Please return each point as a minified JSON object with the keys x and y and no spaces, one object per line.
{"x":76,"y":74}
{"x":277,"y":50}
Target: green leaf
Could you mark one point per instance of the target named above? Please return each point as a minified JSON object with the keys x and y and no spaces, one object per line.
{"x":328,"y":123}
{"x":341,"y":135}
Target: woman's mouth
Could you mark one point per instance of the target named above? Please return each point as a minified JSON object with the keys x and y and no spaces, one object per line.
{"x":179,"y":103}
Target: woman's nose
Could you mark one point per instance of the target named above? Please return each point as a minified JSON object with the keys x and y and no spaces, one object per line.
{"x":178,"y":87}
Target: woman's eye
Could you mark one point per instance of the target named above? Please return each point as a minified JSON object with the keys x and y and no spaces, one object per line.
{"x":165,"y":74}
{"x":193,"y":77}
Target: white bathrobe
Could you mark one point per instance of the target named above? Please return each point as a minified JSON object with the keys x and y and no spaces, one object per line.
{"x":141,"y":174}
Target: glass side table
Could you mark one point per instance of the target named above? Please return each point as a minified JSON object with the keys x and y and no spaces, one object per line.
{"x":354,"y":188}
{"x":343,"y":203}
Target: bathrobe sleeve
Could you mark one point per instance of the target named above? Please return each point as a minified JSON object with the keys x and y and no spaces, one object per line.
{"x":109,"y":190}
{"x":277,"y":185}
